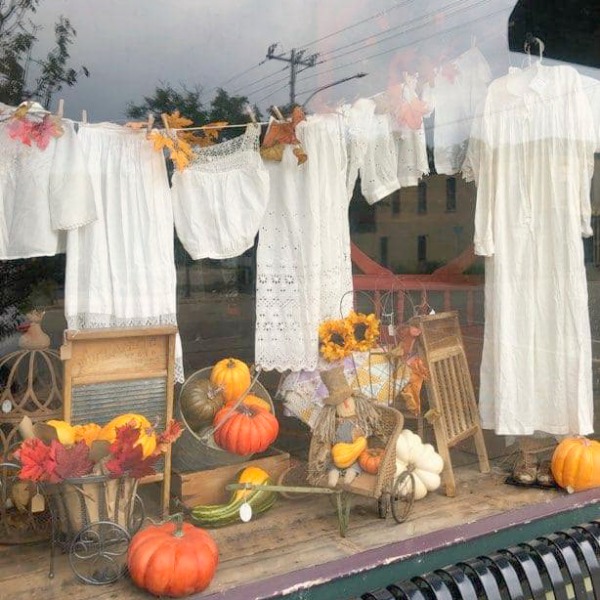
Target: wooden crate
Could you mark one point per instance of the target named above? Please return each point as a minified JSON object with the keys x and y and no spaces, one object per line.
{"x":208,"y":486}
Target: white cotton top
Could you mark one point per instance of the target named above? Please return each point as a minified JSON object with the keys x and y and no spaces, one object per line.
{"x":458,"y":89}
{"x":532,"y":158}
{"x":219,"y":200}
{"x":121,"y":269}
{"x":43,"y":193}
{"x":591,"y":87}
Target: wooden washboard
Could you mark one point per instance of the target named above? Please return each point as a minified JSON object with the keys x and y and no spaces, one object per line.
{"x":453,"y":409}
{"x":108,"y":372}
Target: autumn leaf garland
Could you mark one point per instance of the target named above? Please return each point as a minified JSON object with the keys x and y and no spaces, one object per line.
{"x":180,"y":144}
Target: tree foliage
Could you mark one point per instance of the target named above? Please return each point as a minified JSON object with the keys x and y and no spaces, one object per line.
{"x":22,"y":75}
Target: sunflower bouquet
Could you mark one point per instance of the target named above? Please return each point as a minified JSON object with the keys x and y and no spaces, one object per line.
{"x":338,"y":338}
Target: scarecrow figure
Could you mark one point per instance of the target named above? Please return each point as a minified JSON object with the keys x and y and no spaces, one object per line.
{"x":345,"y":416}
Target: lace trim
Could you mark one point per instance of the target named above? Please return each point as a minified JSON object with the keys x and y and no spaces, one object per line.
{"x":242,"y":151}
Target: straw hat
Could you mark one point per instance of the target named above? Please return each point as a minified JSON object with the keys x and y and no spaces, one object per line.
{"x":337,"y":386}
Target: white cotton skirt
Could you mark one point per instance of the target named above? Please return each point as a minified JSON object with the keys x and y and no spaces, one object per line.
{"x":121,"y":268}
{"x":220,"y":199}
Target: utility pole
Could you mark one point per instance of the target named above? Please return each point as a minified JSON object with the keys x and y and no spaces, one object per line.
{"x":296,"y":59}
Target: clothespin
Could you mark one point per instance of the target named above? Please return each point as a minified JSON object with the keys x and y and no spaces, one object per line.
{"x":150,"y":122}
{"x":277,"y":112}
{"x":84,"y":119}
{"x":165,"y":122}
{"x":61,"y":108}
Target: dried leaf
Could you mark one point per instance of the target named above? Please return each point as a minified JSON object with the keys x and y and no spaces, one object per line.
{"x":37,"y":463}
{"x":171,"y":434}
{"x":73,"y":461}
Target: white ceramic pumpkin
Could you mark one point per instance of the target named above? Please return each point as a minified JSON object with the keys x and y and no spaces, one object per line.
{"x":422,"y":459}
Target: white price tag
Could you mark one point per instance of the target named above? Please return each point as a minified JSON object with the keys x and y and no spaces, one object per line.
{"x":7,"y":406}
{"x":391,"y":329}
{"x":245,"y":512}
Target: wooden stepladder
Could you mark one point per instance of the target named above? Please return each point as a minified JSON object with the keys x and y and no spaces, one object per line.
{"x":108,"y":372}
{"x":453,"y":410}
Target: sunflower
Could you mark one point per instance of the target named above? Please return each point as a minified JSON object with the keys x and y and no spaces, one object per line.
{"x":334,"y":336}
{"x":364,"y":331}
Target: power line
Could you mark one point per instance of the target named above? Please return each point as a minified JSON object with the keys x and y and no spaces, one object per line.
{"x":272,"y":93}
{"x":238,"y":75}
{"x":259,"y":80}
{"x":371,"y":18}
{"x":295,"y":60}
{"x":449,"y":30}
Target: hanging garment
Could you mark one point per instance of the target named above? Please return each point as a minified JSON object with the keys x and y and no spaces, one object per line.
{"x":591,"y":87}
{"x":121,"y":269}
{"x":219,"y":200}
{"x":407,"y":110}
{"x":43,"y":194}
{"x":304,"y":273}
{"x":532,"y":158}
{"x":458,"y":88}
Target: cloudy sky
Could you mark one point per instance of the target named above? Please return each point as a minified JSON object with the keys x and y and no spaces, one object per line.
{"x":130,"y":46}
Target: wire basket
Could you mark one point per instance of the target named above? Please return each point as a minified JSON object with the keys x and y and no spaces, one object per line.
{"x":195,"y":451}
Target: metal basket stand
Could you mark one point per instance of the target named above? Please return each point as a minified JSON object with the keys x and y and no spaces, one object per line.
{"x":93,"y":519}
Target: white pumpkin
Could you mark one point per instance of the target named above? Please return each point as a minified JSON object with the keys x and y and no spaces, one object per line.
{"x":422,"y":460}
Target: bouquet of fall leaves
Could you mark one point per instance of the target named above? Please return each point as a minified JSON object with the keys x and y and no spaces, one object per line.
{"x":127,"y":446}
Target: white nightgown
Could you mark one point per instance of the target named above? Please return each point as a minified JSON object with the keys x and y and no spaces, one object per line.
{"x":121,"y":269}
{"x":43,"y":193}
{"x":304,"y":272}
{"x":532,"y":158}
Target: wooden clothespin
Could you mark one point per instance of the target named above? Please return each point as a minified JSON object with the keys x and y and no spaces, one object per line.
{"x":150,"y":123}
{"x":61,"y":108}
{"x":165,"y":122}
{"x":84,"y":118}
{"x":277,"y":113}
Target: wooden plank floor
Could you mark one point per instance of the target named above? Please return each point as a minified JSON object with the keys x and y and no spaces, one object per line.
{"x":293,"y":535}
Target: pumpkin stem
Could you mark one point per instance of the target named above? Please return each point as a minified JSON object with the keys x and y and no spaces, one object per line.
{"x":178,"y":519}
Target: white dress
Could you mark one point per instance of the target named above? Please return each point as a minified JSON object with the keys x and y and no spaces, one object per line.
{"x":532,"y":158}
{"x":219,"y":200}
{"x":43,"y":193}
{"x":459,"y":87}
{"x":304,"y":272}
{"x":121,"y":269}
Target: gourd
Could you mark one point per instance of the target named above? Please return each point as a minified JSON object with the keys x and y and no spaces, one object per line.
{"x":252,"y":400}
{"x":421,"y":460}
{"x":576,"y":464}
{"x":370,"y":459}
{"x":199,"y":403}
{"x":147,"y":439}
{"x":172,"y":559}
{"x":64,"y":431}
{"x":88,"y":433}
{"x":218,"y":515}
{"x":345,"y":454}
{"x":232,"y":376}
{"x":245,"y":430}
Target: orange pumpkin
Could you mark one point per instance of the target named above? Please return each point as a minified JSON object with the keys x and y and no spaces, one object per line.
{"x":252,"y":400}
{"x":232,"y":376}
{"x":370,"y":459}
{"x":245,"y":430}
{"x":576,"y":464}
{"x":147,"y":439}
{"x":88,"y":433}
{"x":172,"y":559}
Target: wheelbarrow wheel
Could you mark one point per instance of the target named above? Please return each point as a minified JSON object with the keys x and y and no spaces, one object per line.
{"x":98,"y":553}
{"x":403,"y":496}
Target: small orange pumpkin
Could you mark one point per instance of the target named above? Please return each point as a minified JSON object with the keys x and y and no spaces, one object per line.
{"x":576,"y":464}
{"x":370,"y":459}
{"x":252,"y":400}
{"x":232,"y":376}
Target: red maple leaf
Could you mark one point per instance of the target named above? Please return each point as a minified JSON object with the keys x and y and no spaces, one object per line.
{"x":171,"y":434}
{"x":71,"y":462}
{"x":127,"y":456}
{"x":37,"y":461}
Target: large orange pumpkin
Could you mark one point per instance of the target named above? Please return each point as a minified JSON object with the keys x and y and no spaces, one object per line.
{"x":172,"y":559}
{"x":245,"y":430}
{"x":232,"y":376}
{"x":370,"y":459}
{"x":576,"y":464}
{"x":147,"y":439}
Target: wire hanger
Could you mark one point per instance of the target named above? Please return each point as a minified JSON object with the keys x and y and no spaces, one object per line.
{"x":530,"y":40}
